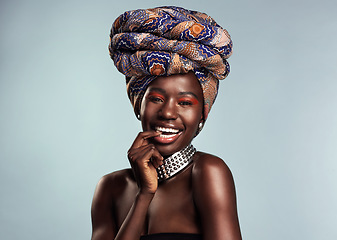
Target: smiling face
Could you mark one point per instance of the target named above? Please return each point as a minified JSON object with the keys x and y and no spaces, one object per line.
{"x":172,"y":105}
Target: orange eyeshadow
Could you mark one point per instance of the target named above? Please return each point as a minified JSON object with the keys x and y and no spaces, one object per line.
{"x":192,"y":100}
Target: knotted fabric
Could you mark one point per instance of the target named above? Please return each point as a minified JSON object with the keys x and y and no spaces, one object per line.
{"x":145,"y":44}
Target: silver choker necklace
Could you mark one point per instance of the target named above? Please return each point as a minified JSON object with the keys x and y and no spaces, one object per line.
{"x":175,"y":163}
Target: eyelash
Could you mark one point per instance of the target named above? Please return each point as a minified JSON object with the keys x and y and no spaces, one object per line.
{"x":185,"y":102}
{"x":156,"y":98}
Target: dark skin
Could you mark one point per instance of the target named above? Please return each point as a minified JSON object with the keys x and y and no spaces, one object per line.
{"x":200,"y":199}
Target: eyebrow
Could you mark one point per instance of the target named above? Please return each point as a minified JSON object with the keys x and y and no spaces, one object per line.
{"x":180,"y":93}
{"x":189,"y":93}
{"x":157,"y":90}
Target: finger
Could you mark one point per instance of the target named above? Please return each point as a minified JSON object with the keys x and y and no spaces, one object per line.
{"x":154,"y":163}
{"x":145,"y":158}
{"x":142,"y":155}
{"x":157,"y":158}
{"x":132,"y":152}
{"x":145,"y":139}
{"x":142,"y":138}
{"x":135,"y":153}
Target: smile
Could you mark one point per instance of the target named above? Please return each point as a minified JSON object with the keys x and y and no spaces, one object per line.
{"x":168,"y":135}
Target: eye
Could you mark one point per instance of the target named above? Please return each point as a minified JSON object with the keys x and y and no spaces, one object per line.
{"x":156,"y":98}
{"x":187,"y":101}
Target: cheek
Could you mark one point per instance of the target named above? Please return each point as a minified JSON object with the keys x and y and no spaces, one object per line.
{"x":143,"y":114}
{"x":192,"y":118}
{"x":142,"y":106}
{"x":147,"y":113}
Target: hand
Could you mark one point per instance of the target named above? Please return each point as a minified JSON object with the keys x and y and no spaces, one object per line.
{"x":144,"y":159}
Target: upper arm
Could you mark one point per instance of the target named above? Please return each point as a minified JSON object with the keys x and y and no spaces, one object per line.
{"x":103,"y":225}
{"x":215,"y":199}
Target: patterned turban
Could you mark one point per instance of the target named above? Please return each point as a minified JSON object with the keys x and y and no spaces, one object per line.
{"x":145,"y":44}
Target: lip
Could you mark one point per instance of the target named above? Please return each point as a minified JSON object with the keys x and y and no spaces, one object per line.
{"x":167,"y":138}
{"x":169,"y":134}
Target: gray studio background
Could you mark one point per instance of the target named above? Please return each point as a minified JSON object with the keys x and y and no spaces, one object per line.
{"x":66,"y":121}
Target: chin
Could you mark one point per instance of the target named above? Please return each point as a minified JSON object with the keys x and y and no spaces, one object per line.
{"x":167,"y":150}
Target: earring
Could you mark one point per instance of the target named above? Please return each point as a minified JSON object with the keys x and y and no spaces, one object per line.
{"x":138,"y":116}
{"x":201,"y":125}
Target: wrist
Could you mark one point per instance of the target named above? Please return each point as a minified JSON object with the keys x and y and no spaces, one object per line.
{"x":143,"y":195}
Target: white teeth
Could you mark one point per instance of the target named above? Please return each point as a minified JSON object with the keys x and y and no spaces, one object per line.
{"x":167,"y":135}
{"x":166,"y":130}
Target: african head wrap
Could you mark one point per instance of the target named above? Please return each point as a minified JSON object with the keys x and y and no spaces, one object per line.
{"x":145,"y":44}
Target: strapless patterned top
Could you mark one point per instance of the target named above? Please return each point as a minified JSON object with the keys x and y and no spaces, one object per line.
{"x":172,"y":236}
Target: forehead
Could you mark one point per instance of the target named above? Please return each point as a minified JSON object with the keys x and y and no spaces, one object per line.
{"x":177,"y":83}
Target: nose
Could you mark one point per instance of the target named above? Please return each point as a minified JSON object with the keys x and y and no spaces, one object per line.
{"x":169,"y":110}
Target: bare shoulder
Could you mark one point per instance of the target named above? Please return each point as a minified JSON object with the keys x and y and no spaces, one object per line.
{"x":212,"y":181}
{"x":107,"y":192}
{"x":113,"y":183}
{"x":209,"y":167}
{"x":110,"y":187}
{"x":215,"y":198}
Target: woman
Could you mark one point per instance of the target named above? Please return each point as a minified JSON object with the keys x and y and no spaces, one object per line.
{"x":172,"y":59}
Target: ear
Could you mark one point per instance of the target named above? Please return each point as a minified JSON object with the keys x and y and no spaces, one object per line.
{"x":200,"y":126}
{"x":202,"y":121}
